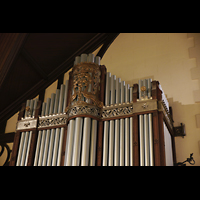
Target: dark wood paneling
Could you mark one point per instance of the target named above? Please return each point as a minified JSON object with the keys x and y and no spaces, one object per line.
{"x":10,"y":47}
{"x":51,"y":49}
{"x":136,"y":154}
{"x":15,"y":85}
{"x":54,"y":53}
{"x":99,"y":150}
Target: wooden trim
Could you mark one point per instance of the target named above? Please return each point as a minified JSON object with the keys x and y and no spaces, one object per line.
{"x":15,"y":148}
{"x":17,"y":139}
{"x":136,"y":154}
{"x":155,"y":91}
{"x":162,"y":139}
{"x":156,"y":143}
{"x":34,"y":137}
{"x":32,"y":149}
{"x":135,"y":92}
{"x":99,"y":150}
{"x":174,"y":150}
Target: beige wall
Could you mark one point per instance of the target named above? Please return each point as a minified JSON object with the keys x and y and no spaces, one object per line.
{"x":165,"y":57}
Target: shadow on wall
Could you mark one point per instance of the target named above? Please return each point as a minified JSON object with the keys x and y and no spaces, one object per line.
{"x":191,"y":142}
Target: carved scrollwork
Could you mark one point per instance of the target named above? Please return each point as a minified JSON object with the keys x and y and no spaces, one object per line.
{"x":54,"y":120}
{"x":86,"y":77}
{"x":118,"y":110}
{"x":84,"y":110}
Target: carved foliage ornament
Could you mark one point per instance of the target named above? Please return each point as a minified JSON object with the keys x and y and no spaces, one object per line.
{"x":86,"y":84}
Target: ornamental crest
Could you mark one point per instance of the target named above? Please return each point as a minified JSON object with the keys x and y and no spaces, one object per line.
{"x":86,"y":84}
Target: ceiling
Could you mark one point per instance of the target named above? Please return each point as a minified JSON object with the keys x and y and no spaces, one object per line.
{"x":30,"y":62}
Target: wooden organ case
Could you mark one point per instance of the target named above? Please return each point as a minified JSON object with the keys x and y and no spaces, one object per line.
{"x":95,"y":119}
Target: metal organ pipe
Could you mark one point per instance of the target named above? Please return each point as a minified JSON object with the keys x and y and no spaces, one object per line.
{"x":82,"y":131}
{"x":118,"y":141}
{"x":122,"y":127}
{"x":78,"y":130}
{"x":145,"y":126}
{"x":106,"y":123}
{"x":112,"y":123}
{"x":131,"y":129}
{"x":49,"y":142}
{"x":117,"y":133}
{"x":127,"y":129}
{"x":25,"y":140}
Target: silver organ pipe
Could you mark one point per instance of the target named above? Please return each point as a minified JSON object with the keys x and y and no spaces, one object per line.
{"x":145,"y":126}
{"x":24,"y":146}
{"x":117,"y":151}
{"x":106,"y":123}
{"x":49,"y":142}
{"x":82,"y":131}
{"x":131,"y":125}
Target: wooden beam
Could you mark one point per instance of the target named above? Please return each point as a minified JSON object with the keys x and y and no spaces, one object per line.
{"x":34,"y":64}
{"x":7,"y":138}
{"x":12,"y":54}
{"x":89,"y":47}
{"x":3,"y":126}
{"x":106,"y":45}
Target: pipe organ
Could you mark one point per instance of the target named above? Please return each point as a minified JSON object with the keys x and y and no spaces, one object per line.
{"x":96,"y":119}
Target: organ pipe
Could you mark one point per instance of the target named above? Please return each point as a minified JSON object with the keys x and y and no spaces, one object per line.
{"x":66,"y":127}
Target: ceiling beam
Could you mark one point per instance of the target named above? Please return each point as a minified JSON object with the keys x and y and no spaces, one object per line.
{"x":89,"y":47}
{"x":107,"y":43}
{"x":12,"y":55}
{"x":34,"y":64}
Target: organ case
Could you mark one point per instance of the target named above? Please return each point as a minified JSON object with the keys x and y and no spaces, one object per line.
{"x":95,"y":119}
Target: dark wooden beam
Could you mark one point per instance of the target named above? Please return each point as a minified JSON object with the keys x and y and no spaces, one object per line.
{"x":7,"y":138}
{"x":107,"y":43}
{"x":3,"y":126}
{"x":12,"y":54}
{"x":60,"y":80}
{"x":34,"y":64}
{"x":89,"y":47}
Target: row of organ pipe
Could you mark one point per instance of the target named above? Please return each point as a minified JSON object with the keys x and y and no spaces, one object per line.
{"x":145,"y":127}
{"x":117,"y":133}
{"x":75,"y":142}
{"x":24,"y":146}
{"x":49,"y":142}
